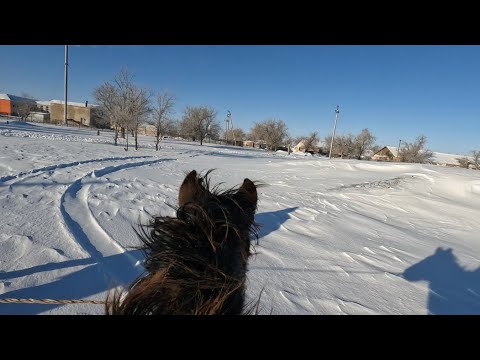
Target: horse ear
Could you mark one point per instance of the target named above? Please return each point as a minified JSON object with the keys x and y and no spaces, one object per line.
{"x":189,"y":189}
{"x":249,"y":188}
{"x":446,"y":250}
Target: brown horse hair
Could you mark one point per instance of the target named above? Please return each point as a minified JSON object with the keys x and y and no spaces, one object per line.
{"x":196,"y":262}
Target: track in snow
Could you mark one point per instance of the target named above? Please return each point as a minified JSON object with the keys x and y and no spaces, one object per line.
{"x":82,"y":224}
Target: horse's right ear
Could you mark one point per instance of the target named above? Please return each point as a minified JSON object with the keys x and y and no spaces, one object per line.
{"x":189,"y":189}
{"x":250,"y":189}
{"x":441,"y":249}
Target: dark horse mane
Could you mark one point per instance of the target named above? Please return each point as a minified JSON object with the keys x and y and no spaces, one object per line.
{"x":196,"y":262}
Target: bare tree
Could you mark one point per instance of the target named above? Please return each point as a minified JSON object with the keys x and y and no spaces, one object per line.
{"x":198,"y":122}
{"x":257,"y":132}
{"x":105,"y":95}
{"x":291,"y":141}
{"x":161,"y":112}
{"x":239,"y":134}
{"x":26,"y":106}
{"x":294,"y":140}
{"x":362,"y":143}
{"x":328,"y":140}
{"x":464,"y":162}
{"x":100,"y":118}
{"x":174,"y":128}
{"x":123,"y":83}
{"x":375,"y":148}
{"x":346,"y":145}
{"x":113,"y":97}
{"x":214,"y":131}
{"x":476,"y":159}
{"x":310,"y":142}
{"x":138,"y":107}
{"x":343,"y":145}
{"x":415,"y":152}
{"x":186,"y":129}
{"x":274,"y":132}
{"x":124,"y":104}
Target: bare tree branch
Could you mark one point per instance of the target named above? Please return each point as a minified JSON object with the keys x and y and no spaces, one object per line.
{"x":124,"y":104}
{"x":464,"y":162}
{"x":476,"y":159}
{"x":161,"y":112}
{"x":273,"y":132}
{"x":415,"y":152}
{"x":362,"y":143}
{"x":198,"y":122}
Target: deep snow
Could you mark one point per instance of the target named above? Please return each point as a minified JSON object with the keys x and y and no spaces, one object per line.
{"x":338,"y":236}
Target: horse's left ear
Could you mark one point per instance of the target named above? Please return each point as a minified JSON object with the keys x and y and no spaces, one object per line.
{"x":190,"y":189}
{"x":250,"y":189}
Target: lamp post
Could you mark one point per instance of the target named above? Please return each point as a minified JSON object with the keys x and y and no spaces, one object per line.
{"x":398,"y":149}
{"x":337,"y":111}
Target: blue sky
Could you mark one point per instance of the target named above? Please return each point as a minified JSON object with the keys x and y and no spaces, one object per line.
{"x":398,"y":92}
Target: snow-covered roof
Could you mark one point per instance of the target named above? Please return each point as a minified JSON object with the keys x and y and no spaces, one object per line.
{"x":47,"y":103}
{"x":71,"y":103}
{"x":318,"y":144}
{"x":439,"y":158}
{"x":14,"y":98}
{"x":393,"y":150}
{"x":451,"y":159}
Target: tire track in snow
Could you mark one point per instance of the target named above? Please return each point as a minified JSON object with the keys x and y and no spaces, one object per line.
{"x":83,"y":225}
{"x":65,"y":165}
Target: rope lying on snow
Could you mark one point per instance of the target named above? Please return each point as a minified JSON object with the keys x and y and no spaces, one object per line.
{"x":50,"y":301}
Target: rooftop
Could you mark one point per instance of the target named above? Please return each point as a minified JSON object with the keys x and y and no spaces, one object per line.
{"x":14,"y":98}
{"x":71,"y":103}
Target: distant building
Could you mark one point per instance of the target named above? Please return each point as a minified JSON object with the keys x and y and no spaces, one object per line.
{"x":387,"y":153}
{"x":44,"y":106}
{"x":80,"y":113}
{"x":260,"y":144}
{"x":41,"y":117}
{"x":147,"y":129}
{"x":9,"y":104}
{"x":300,"y":147}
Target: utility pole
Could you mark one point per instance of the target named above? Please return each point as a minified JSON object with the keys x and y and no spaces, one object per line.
{"x":398,"y":149}
{"x":66,"y":74}
{"x":337,"y":111}
{"x":229,"y":118}
{"x":226,"y":131}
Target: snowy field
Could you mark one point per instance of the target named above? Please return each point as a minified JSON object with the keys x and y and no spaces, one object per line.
{"x":338,"y":237}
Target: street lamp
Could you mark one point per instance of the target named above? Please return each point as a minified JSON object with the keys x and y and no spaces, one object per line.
{"x":398,"y":149}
